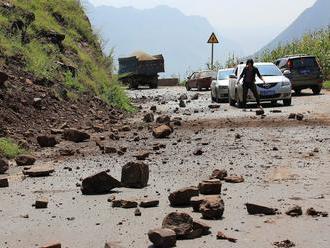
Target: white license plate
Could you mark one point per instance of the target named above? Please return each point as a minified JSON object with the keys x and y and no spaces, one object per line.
{"x":267,"y":92}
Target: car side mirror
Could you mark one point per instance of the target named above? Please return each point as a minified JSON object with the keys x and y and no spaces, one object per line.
{"x":286,"y":72}
{"x":233,"y":76}
{"x":189,"y":77}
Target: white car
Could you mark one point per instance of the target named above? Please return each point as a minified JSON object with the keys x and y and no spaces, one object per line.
{"x":219,"y":87}
{"x":276,"y":88}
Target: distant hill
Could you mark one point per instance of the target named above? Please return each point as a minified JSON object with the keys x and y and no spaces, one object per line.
{"x":312,"y":19}
{"x":180,"y":38}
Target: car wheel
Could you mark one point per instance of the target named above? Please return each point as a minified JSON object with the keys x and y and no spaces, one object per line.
{"x":232,"y":102}
{"x":274,"y":102}
{"x":188,"y":87}
{"x":287,"y":102}
{"x":199,"y":88}
{"x":316,"y":90}
{"x":298,"y":92}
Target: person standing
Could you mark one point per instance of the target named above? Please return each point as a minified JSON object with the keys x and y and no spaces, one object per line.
{"x":249,"y":81}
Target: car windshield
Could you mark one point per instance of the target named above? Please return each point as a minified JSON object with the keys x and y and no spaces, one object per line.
{"x":205,"y":74}
{"x":224,"y":74}
{"x":269,"y":70}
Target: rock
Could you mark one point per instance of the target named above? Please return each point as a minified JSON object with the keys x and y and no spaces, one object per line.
{"x":199,"y":225}
{"x":314,"y":213}
{"x":214,"y":106}
{"x":4,"y":183}
{"x":219,"y":174}
{"x":210,"y":187}
{"x":153,"y":108}
{"x":198,"y":152}
{"x":238,"y":136}
{"x":23,"y":160}
{"x":162,"y":131}
{"x":294,"y":211}
{"x":4,"y":165}
{"x":234,"y":179}
{"x":113,"y":245}
{"x":182,"y":104}
{"x":98,"y":128}
{"x":39,"y":171}
{"x":292,"y":116}
{"x":212,"y":208}
{"x":149,"y":118}
{"x":128,"y":204}
{"x":142,"y":155}
{"x":260,"y":112}
{"x":116,"y":203}
{"x":41,"y":203}
{"x":221,"y":235}
{"x":52,"y":245}
{"x":75,"y":135}
{"x":125,"y":129}
{"x":163,"y":238}
{"x":299,"y":117}
{"x":196,"y":201}
{"x":109,"y":149}
{"x":67,"y":152}
{"x":284,"y":244}
{"x":137,"y":212}
{"x":99,"y":183}
{"x":46,"y":140}
{"x":149,"y":203}
{"x":180,"y":223}
{"x":276,"y":111}
{"x":183,"y":97}
{"x":37,"y":103}
{"x":135,"y":175}
{"x":182,"y":197}
{"x":3,"y":78}
{"x":195,"y":96}
{"x":177,"y":123}
{"x":254,"y":209}
{"x":163,"y":119}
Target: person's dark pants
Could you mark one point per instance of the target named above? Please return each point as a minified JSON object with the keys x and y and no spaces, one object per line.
{"x":253,"y":88}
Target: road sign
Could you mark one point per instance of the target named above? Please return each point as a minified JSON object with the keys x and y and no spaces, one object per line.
{"x":213,"y":39}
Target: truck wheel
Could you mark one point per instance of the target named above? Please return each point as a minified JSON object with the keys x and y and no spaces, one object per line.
{"x":298,"y":92}
{"x":316,"y":90}
{"x":287,"y":102}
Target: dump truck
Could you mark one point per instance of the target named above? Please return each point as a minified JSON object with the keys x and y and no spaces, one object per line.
{"x":140,"y":69}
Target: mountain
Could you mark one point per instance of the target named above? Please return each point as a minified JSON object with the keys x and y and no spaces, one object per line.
{"x":160,"y":30}
{"x":312,"y":19}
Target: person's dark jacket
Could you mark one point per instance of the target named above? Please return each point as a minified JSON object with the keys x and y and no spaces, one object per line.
{"x":250,"y":77}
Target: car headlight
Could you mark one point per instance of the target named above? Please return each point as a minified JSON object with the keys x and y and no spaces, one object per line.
{"x":286,"y":83}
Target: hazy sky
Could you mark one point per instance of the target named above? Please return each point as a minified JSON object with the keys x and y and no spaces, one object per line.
{"x":251,"y":23}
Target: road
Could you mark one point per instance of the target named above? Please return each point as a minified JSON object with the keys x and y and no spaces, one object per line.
{"x":296,"y":173}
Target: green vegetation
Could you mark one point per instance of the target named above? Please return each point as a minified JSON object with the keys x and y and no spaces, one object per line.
{"x":327,"y":85}
{"x":9,"y":149}
{"x":46,"y":60}
{"x":317,"y":43}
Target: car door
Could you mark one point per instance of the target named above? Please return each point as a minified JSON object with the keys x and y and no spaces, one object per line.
{"x":191,"y":80}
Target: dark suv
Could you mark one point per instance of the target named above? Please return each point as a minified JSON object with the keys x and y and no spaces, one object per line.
{"x":303,"y":71}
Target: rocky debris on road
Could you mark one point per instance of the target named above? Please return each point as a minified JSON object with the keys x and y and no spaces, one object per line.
{"x":24,"y":160}
{"x":294,"y":211}
{"x":52,"y":245}
{"x":148,"y":118}
{"x":276,"y":111}
{"x":254,"y":209}
{"x":238,"y":136}
{"x":221,"y":235}
{"x":300,"y":117}
{"x":109,"y":149}
{"x":183,"y":97}
{"x":153,"y":108}
{"x":4,"y":165}
{"x":182,"y":197}
{"x":142,"y":155}
{"x":214,"y":106}
{"x":196,"y":201}
{"x":180,"y":223}
{"x":113,"y":245}
{"x":260,"y":112}
{"x":162,"y":237}
{"x":162,"y":131}
{"x":212,"y":208}
{"x":41,"y":203}
{"x":292,"y":116}
{"x":219,"y":174}
{"x":284,"y":244}
{"x":210,"y":187}
{"x":4,"y":183}
{"x":163,"y":119}
{"x":137,"y":212}
{"x":135,"y":175}
{"x":198,"y":152}
{"x":149,"y":203}
{"x":39,"y":171}
{"x":124,"y":203}
{"x":315,"y":213}
{"x":47,"y":140}
{"x":75,"y":135}
{"x":234,"y":179}
{"x":100,"y":183}
{"x":194,"y":97}
{"x":182,"y":104}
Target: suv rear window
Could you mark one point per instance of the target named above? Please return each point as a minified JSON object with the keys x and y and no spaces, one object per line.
{"x":304,"y":62}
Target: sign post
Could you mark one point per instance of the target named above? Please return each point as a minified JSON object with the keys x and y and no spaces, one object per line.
{"x":212,"y":40}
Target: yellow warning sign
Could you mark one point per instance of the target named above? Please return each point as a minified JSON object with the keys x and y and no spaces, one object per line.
{"x":213,"y":39}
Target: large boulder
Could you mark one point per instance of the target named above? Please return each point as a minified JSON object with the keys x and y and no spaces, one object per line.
{"x":212,"y":208}
{"x":162,"y":237}
{"x":182,"y":197}
{"x":75,"y":135}
{"x":47,"y":140}
{"x":180,"y":223}
{"x":162,"y":131}
{"x":210,"y":187}
{"x":100,"y":183}
{"x":135,"y":175}
{"x":24,"y":160}
{"x":196,"y":201}
{"x":4,"y":165}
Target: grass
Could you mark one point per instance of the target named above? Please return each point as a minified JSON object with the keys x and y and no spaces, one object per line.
{"x":82,"y":49}
{"x":326,"y":85}
{"x":9,"y":149}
